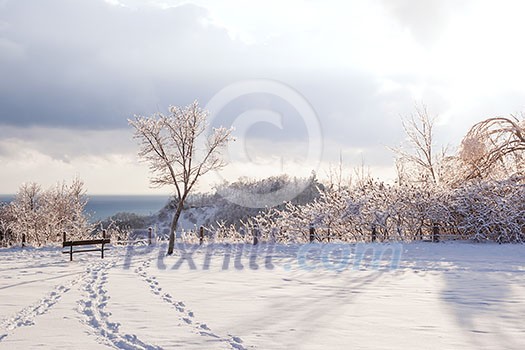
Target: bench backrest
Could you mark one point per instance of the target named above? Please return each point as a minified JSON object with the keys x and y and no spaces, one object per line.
{"x":85,"y":242}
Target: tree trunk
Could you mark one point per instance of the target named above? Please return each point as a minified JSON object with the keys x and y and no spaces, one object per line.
{"x":173,"y":228}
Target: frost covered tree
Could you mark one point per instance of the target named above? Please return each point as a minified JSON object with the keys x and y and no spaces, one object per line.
{"x":493,"y":148}
{"x":421,"y":162}
{"x":6,"y":219}
{"x":65,"y":210}
{"x":42,"y":215}
{"x":28,"y":211}
{"x":169,"y":143}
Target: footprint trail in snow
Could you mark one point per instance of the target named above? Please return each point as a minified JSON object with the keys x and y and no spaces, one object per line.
{"x":27,"y":315}
{"x":185,"y":315}
{"x":93,"y":307}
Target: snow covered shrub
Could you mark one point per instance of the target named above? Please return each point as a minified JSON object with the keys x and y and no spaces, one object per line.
{"x":374,"y":211}
{"x":125,"y":226}
{"x":490,"y":210}
{"x":481,"y":210}
{"x":328,"y":214}
{"x":42,"y":216}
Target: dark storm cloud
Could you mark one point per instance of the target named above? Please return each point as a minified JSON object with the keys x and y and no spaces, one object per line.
{"x":92,"y":65}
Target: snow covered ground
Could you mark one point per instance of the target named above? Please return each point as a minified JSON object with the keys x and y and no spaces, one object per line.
{"x":437,"y":296}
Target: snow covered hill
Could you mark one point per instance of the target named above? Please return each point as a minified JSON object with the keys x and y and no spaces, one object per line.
{"x":436,"y":296}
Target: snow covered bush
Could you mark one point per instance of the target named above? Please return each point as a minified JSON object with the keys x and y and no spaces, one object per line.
{"x":483,"y":210}
{"x":492,"y":210}
{"x":43,"y":215}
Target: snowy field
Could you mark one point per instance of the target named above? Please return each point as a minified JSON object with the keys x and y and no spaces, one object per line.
{"x":438,"y":296}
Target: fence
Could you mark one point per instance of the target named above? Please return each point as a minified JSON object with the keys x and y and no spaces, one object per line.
{"x":255,"y":235}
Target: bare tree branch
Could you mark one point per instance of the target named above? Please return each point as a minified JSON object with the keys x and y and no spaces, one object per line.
{"x":419,"y":129}
{"x":493,"y":146}
{"x":169,"y":144}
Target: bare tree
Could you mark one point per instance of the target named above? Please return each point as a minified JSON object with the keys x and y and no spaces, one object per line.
{"x":493,"y":146}
{"x":169,"y":144}
{"x":419,"y":129}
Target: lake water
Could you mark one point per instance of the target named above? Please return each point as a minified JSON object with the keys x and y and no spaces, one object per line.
{"x":101,"y":207}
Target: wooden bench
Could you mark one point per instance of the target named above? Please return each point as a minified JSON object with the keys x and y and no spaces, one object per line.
{"x":91,"y":242}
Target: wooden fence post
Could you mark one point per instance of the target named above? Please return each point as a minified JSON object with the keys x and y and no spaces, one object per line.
{"x":102,"y":249}
{"x":149,"y":235}
{"x":273,"y":234}
{"x":23,"y":240}
{"x":255,"y":232}
{"x":435,"y":232}
{"x":201,"y":235}
{"x":374,"y":233}
{"x":70,"y":247}
{"x":312,"y":233}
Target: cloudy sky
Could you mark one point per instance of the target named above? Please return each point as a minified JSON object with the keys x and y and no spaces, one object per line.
{"x":302,"y":81}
